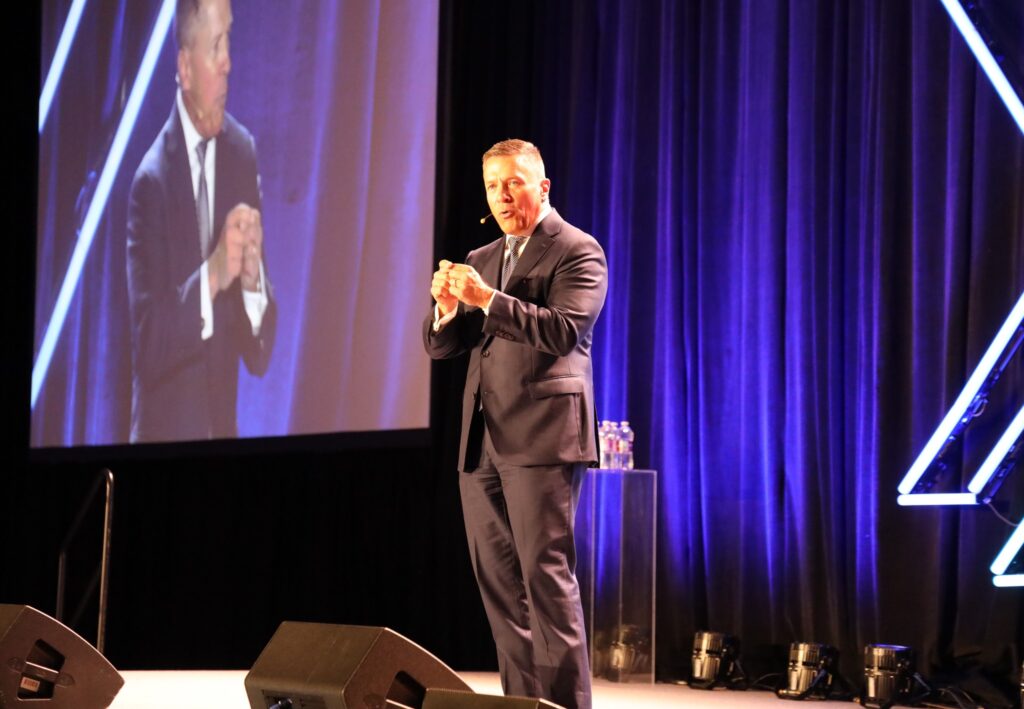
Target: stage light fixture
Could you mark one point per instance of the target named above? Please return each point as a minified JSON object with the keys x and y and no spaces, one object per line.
{"x":811,"y":672}
{"x":915,"y":488}
{"x":888,"y":676}
{"x":1005,"y":559}
{"x":630,"y":654}
{"x":988,"y":62}
{"x":715,"y":658}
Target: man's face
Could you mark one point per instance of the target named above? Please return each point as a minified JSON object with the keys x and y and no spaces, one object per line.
{"x":204,"y":65}
{"x":516,"y":190}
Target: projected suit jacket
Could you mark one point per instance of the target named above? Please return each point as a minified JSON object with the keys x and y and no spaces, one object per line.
{"x":185,"y":388}
{"x":530,"y":378}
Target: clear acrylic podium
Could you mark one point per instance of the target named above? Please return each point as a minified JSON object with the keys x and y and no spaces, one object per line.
{"x":615,"y":547}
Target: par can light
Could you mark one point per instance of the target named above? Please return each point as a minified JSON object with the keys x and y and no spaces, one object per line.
{"x":714,"y":659}
{"x":888,"y":675}
{"x":811,"y":671}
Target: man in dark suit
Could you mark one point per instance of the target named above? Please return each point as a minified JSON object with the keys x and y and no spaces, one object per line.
{"x":198,"y":291}
{"x":528,"y":421}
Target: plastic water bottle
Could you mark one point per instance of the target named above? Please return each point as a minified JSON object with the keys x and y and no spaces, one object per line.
{"x":609,"y":431}
{"x":626,"y":437}
{"x":603,"y":445}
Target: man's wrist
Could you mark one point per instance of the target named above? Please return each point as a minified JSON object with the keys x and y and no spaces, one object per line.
{"x":488,"y":299}
{"x":486,"y":307}
{"x":442,"y":319}
{"x":254,"y":285}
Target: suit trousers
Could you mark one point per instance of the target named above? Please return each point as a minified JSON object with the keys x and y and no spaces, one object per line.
{"x":519,"y":524}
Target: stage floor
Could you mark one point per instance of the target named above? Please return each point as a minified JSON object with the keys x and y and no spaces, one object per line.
{"x":225,"y":690}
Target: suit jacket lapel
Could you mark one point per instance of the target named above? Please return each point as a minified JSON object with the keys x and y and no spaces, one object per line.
{"x":489,"y":266}
{"x":224,"y":196}
{"x":182,"y":197}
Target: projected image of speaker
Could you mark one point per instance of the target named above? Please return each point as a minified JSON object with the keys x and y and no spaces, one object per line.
{"x":811,"y":671}
{"x":454,"y":699}
{"x":45,"y":664}
{"x":308,"y":665}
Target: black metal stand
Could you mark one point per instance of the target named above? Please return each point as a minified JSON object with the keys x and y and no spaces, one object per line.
{"x":102,"y":575}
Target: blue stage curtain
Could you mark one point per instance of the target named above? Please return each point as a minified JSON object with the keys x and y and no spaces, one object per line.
{"x":812,"y":216}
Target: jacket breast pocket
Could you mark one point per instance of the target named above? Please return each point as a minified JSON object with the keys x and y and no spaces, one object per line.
{"x":543,"y":388}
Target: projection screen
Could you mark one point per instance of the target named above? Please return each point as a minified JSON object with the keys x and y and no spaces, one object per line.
{"x":318,"y":196}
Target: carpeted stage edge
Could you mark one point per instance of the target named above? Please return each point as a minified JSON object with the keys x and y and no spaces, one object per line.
{"x":225,"y":690}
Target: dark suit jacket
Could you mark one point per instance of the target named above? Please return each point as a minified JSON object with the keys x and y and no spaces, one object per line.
{"x":182,"y":386}
{"x":529,"y":363}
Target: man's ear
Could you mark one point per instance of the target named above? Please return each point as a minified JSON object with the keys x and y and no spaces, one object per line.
{"x":545,"y":187}
{"x":184,"y":70}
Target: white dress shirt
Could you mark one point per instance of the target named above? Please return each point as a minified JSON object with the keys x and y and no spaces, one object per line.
{"x":255,"y":302}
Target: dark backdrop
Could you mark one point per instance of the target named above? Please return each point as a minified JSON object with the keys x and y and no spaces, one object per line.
{"x":812,"y":218}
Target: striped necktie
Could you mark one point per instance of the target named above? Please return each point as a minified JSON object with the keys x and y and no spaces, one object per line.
{"x":203,"y":202}
{"x":514,"y":242}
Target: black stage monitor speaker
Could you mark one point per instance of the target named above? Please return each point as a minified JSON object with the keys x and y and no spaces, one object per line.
{"x":454,"y":699}
{"x":45,"y":664}
{"x":320,"y":666}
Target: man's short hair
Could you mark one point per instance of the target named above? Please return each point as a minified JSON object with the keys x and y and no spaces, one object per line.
{"x":515,"y":146}
{"x":186,"y":17}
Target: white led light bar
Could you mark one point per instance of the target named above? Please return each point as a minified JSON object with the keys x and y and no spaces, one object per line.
{"x":99,"y":200}
{"x":988,"y":62}
{"x":60,"y":59}
{"x":933,"y":499}
{"x":1002,"y":455}
{"x":1005,"y":558}
{"x":957,"y":416}
{"x":995,"y":459}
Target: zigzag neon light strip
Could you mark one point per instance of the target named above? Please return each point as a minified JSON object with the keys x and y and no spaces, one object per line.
{"x":988,"y":62}
{"x":932,"y":499}
{"x":995,"y":459}
{"x":1005,"y":558}
{"x":955,"y":418}
{"x":60,"y":58}
{"x":99,"y":200}
{"x":958,"y":416}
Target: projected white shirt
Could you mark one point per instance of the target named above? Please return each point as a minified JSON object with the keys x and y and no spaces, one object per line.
{"x":255,"y":302}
